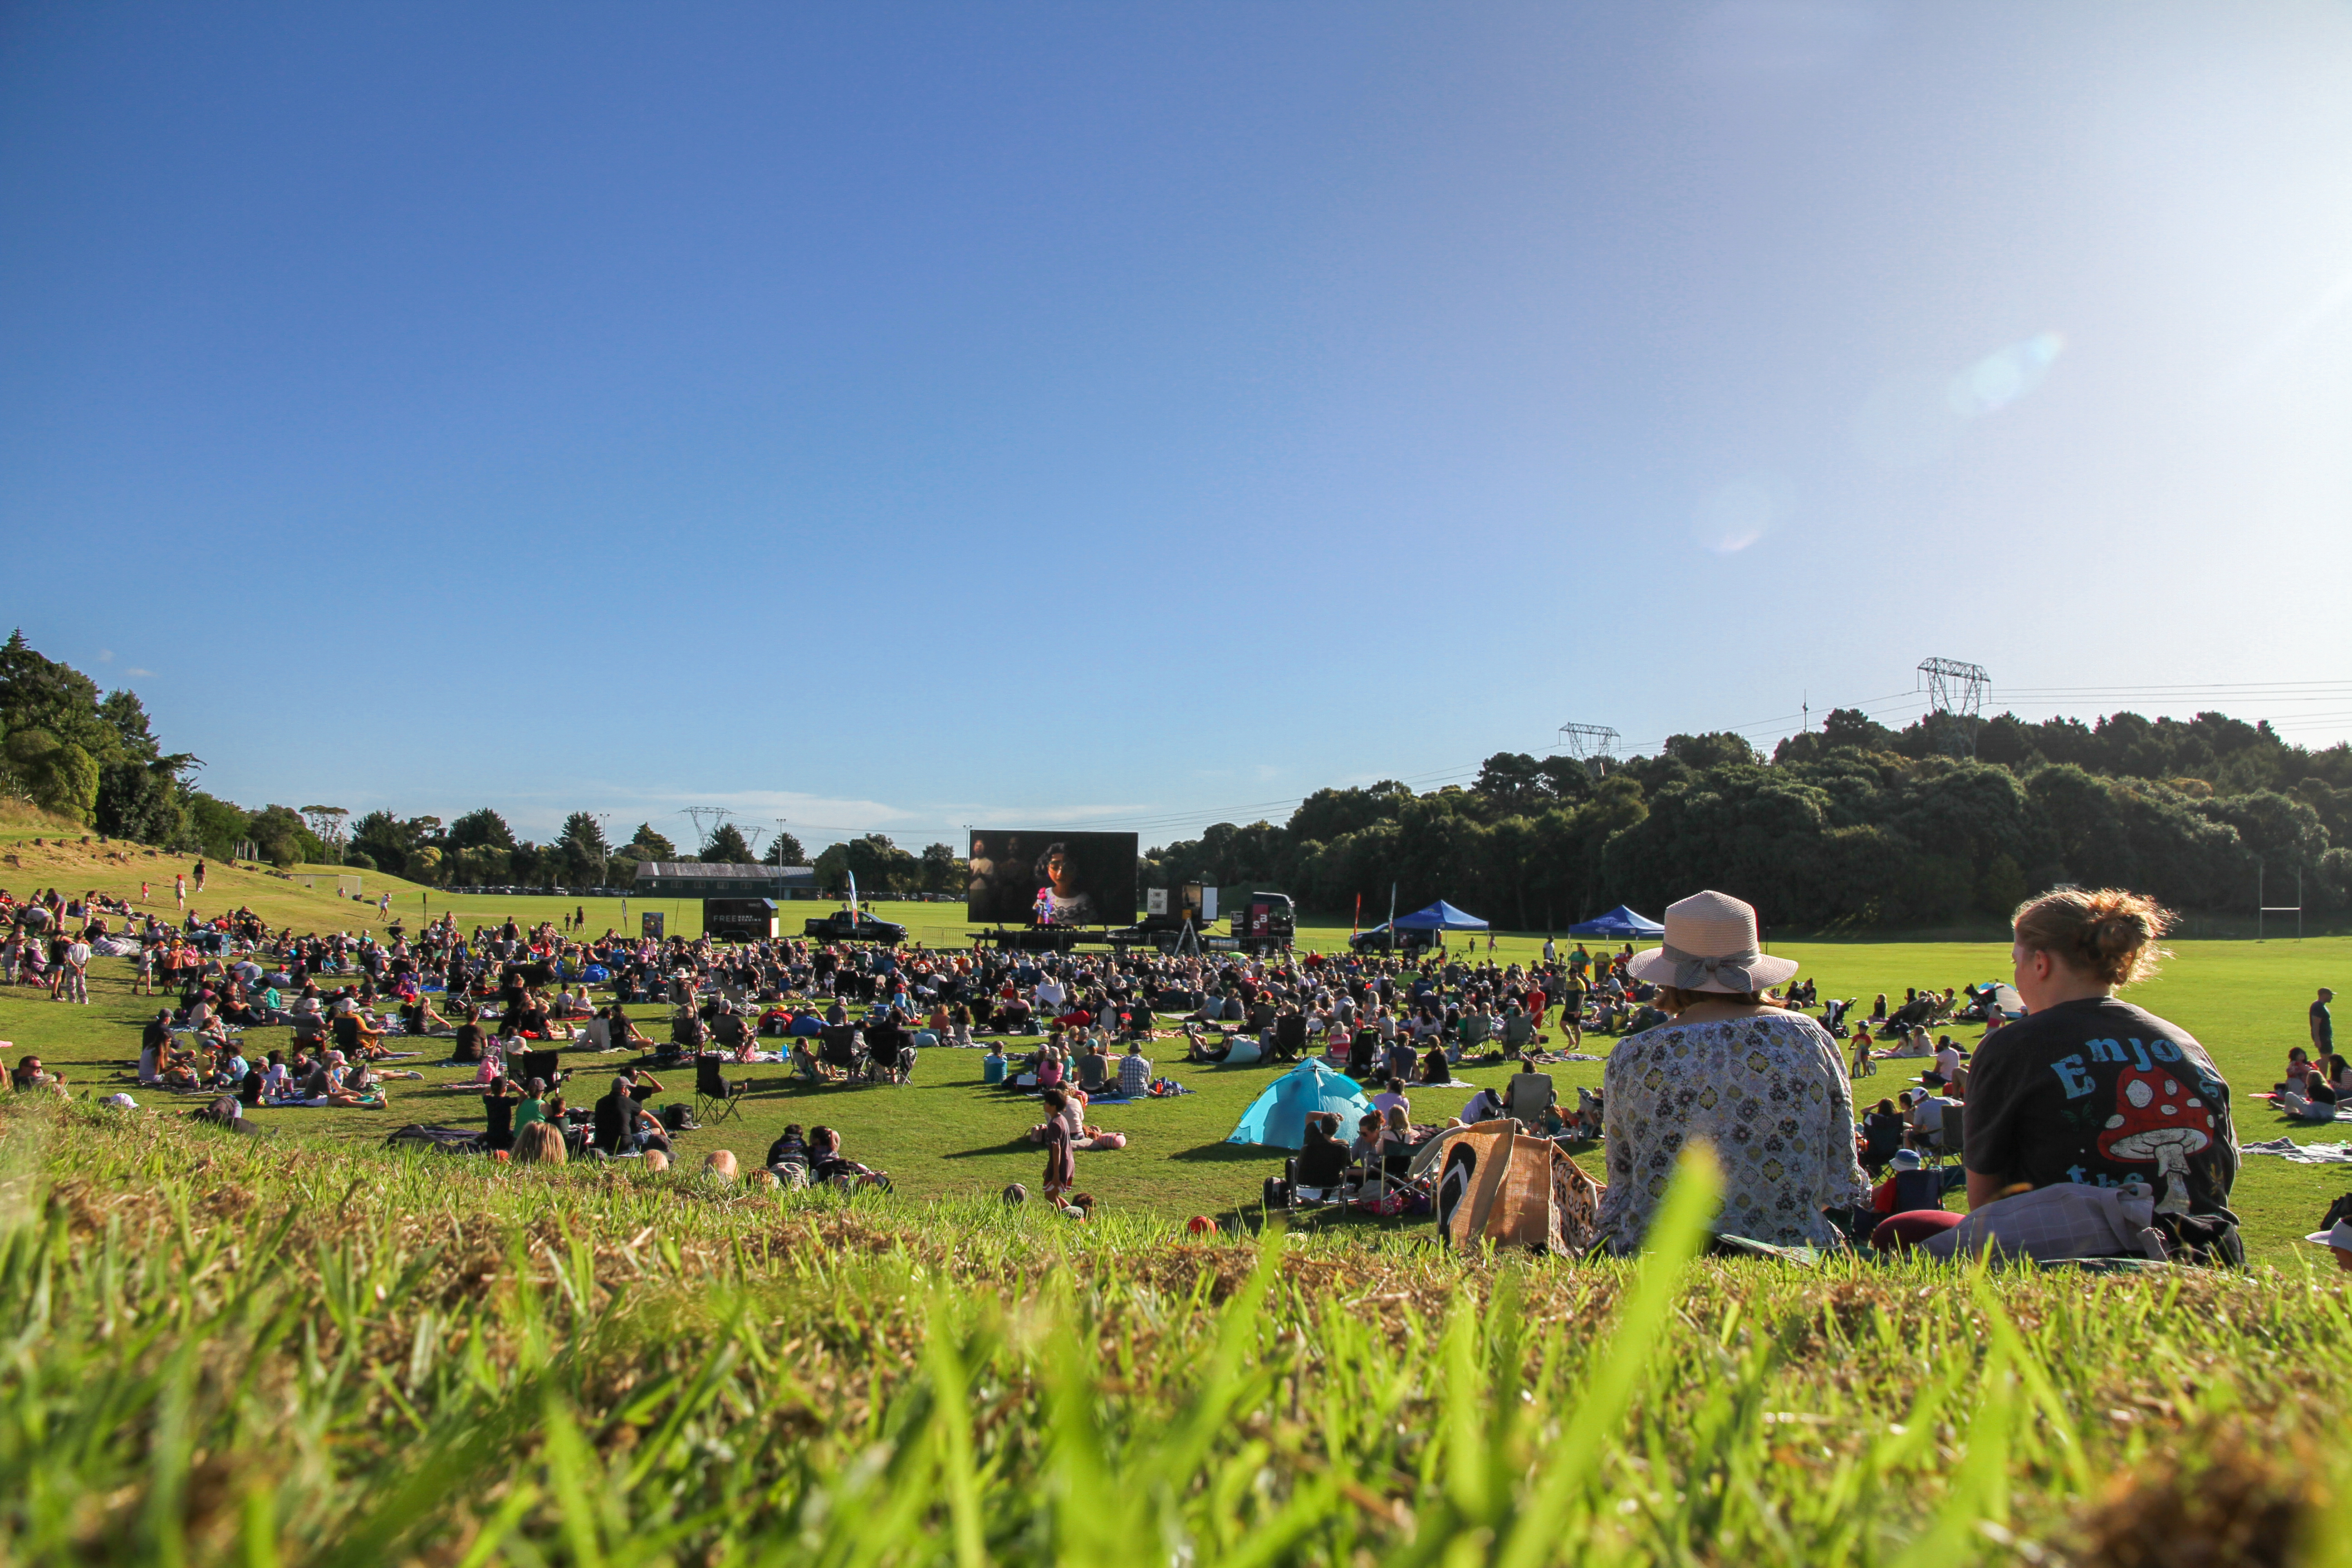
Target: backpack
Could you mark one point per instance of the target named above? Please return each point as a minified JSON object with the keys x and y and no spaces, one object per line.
{"x":2340,"y":1209}
{"x":677,"y":1117}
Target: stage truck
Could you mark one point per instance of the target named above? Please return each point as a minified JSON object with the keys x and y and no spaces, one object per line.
{"x":1263,"y":923}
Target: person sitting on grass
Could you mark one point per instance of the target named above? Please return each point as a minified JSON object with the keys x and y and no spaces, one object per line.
{"x":1435,"y":1066}
{"x":2037,"y":1087}
{"x":29,"y":1077}
{"x":1365,"y":1152}
{"x":154,"y":1039}
{"x":2307,"y":1095}
{"x":623,"y":1126}
{"x":1067,"y":1107}
{"x":829,"y":1165}
{"x":1094,"y":1068}
{"x":500,"y":1103}
{"x":540,"y":1145}
{"x":1323,"y":1161}
{"x":791,"y":1148}
{"x":418,"y":1019}
{"x":1134,"y":1072}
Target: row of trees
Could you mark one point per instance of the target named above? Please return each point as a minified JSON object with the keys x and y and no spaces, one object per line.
{"x":1851,"y":825}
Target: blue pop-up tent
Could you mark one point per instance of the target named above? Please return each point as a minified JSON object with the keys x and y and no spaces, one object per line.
{"x":1279,"y":1117}
{"x":1620,"y":924}
{"x":1439,"y":916}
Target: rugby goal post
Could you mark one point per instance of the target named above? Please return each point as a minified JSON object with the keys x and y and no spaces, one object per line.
{"x":2262,"y":907}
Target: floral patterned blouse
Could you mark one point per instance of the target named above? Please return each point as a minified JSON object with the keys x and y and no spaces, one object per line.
{"x":1768,"y":1092}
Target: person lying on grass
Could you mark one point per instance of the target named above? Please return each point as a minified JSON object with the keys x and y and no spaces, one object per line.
{"x":830,"y":1166}
{"x":1198,"y":1046}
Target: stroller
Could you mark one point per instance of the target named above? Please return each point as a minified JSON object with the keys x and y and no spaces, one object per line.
{"x":1833,"y":1018}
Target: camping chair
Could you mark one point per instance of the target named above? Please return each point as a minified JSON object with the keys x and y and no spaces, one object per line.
{"x":1529,"y":1094}
{"x":1882,"y":1134}
{"x":541,"y":1065}
{"x":715,"y":1099}
{"x":837,"y":1048}
{"x":1920,"y":1189}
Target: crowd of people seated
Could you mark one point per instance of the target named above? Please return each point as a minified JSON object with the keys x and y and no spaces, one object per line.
{"x":506,"y":998}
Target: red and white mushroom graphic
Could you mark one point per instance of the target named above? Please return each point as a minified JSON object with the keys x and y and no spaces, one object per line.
{"x":2158,"y":1118}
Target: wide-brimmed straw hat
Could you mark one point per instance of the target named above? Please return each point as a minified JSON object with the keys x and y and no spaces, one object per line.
{"x":1710,"y":946}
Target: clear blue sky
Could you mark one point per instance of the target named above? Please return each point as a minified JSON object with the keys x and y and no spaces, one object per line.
{"x":899,"y":417}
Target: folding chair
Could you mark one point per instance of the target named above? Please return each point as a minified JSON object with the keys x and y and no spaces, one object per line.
{"x":839,"y":1047}
{"x":1529,"y":1094}
{"x":715,"y":1099}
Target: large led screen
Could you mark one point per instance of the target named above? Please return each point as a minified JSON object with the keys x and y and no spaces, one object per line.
{"x":1052,"y":879}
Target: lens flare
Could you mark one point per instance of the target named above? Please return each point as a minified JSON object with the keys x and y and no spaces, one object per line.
{"x":1732,"y":517}
{"x":2000,"y":378}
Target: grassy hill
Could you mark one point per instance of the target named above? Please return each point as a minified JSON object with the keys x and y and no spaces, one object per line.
{"x":225,"y":1350}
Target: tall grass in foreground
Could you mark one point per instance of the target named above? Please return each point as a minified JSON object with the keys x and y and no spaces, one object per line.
{"x":219,"y":1351}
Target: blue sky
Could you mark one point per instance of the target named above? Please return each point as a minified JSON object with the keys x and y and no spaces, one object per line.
{"x":897,"y":417}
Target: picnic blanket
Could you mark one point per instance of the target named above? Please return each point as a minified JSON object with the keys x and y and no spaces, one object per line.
{"x":2302,"y":1153}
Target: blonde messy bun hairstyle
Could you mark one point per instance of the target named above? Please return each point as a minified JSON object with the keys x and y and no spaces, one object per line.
{"x":2108,"y":933}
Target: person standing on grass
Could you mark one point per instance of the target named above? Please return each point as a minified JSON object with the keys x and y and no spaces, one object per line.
{"x":77,"y":972}
{"x":200,"y":876}
{"x":2323,"y":1027}
{"x":1061,"y":1164}
{"x":180,"y":889}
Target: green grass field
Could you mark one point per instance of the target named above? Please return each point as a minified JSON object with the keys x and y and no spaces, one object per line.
{"x":946,"y":1135}
{"x":309,"y":1350}
{"x":229,"y":1351}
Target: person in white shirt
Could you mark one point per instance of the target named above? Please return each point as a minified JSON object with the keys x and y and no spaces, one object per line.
{"x":1948,"y":1059}
{"x":77,"y":979}
{"x":1484,"y":1106}
{"x":1049,"y":996}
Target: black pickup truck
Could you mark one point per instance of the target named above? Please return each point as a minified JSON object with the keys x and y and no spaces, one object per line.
{"x":850,"y":925}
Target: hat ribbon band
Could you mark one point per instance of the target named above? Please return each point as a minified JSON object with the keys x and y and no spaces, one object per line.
{"x":1694,"y":970}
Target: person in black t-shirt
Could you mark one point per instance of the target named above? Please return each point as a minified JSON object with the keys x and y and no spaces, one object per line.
{"x":2087,"y":1088}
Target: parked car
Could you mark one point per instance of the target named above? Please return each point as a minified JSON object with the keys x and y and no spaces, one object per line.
{"x":1377,"y":939}
{"x":855,"y":925}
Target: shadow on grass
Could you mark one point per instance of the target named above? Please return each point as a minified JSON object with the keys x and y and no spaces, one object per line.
{"x":1017,"y":1144}
{"x":1231,"y":1153}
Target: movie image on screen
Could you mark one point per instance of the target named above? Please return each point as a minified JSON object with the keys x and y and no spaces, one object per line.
{"x":1052,"y":879}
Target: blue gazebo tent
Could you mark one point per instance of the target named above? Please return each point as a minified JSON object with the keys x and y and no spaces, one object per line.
{"x":1620,"y":924}
{"x":1279,"y":1117}
{"x":1439,"y":916}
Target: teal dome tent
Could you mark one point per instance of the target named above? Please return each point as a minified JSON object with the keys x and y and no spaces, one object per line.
{"x":1279,"y":1117}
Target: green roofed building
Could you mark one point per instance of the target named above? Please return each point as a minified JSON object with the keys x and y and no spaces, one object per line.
{"x":694,"y":880}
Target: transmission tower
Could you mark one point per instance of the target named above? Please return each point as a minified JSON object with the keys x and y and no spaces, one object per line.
{"x":1594,"y":745}
{"x":702,"y":834}
{"x":1956,"y":690}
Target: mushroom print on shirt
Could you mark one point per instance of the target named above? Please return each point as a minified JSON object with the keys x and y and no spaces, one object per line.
{"x":2101,"y":1092}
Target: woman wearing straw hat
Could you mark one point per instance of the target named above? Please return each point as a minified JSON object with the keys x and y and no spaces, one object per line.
{"x":1761,"y":1085}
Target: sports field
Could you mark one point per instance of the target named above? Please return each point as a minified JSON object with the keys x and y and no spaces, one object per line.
{"x":946,"y":1135}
